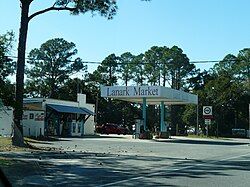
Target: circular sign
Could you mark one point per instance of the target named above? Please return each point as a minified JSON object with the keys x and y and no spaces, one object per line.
{"x":207,"y":110}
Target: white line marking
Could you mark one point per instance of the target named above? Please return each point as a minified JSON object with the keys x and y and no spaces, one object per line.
{"x":171,"y":170}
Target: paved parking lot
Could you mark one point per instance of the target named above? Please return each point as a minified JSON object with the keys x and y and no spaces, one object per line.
{"x":123,"y":161}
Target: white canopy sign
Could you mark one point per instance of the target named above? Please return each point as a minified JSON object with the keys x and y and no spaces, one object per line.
{"x":154,"y":94}
{"x":130,"y":91}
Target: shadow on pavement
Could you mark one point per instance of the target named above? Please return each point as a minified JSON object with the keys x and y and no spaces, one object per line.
{"x":99,"y":169}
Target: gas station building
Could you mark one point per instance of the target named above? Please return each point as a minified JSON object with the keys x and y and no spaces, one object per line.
{"x":150,"y":95}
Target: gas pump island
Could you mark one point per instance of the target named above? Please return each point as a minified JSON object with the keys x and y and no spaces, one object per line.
{"x":150,"y":95}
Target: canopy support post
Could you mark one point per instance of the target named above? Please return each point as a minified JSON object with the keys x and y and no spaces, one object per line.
{"x":144,"y":112}
{"x":162,"y":117}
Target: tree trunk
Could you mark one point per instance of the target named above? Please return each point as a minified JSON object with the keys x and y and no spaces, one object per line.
{"x":53,"y":89}
{"x":110,"y":76}
{"x":164,"y":80}
{"x":126,"y":80}
{"x":17,"y":139}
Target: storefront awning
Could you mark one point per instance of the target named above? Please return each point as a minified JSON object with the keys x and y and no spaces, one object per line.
{"x":70,"y":109}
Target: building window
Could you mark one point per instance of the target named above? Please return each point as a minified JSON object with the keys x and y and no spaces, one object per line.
{"x":31,"y":116}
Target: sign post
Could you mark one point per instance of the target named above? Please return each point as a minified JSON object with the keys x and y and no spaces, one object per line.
{"x":208,"y":115}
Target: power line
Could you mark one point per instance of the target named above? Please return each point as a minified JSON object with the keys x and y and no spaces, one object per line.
{"x":85,"y":62}
{"x":96,"y":62}
{"x":205,"y":61}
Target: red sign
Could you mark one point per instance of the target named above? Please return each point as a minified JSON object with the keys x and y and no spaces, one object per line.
{"x":208,"y":117}
{"x":39,"y":117}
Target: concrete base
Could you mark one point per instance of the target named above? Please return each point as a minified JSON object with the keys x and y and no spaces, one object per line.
{"x":163,"y":135}
{"x":146,"y":135}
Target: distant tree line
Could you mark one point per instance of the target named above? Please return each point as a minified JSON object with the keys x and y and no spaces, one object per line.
{"x":226,"y":86}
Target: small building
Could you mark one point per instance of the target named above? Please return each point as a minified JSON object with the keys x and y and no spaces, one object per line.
{"x":52,"y":117}
{"x":6,"y":121}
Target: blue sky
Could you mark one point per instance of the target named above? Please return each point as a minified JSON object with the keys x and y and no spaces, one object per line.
{"x":204,"y":29}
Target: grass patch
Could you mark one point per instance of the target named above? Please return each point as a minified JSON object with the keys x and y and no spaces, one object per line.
{"x":6,"y":145}
{"x":5,"y":141}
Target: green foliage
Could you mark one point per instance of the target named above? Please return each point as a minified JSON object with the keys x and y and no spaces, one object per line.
{"x":106,"y":73}
{"x":137,"y":70}
{"x":6,"y":64}
{"x":120,"y":112}
{"x":179,"y":67}
{"x":7,"y":90}
{"x":166,"y":65}
{"x":243,"y":65}
{"x":73,"y":86}
{"x":125,"y":67}
{"x":198,"y":80}
{"x":7,"y":67}
{"x":189,"y":115}
{"x":50,"y":66}
{"x":106,"y":8}
{"x":153,"y":58}
{"x":226,"y":88}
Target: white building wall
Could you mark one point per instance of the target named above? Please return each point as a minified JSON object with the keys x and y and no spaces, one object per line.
{"x":32,"y":127}
{"x":6,"y":121}
{"x":33,"y":123}
{"x":89,"y":126}
{"x":81,"y":99}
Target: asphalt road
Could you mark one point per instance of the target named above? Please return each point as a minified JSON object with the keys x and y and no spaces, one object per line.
{"x":122,"y":161}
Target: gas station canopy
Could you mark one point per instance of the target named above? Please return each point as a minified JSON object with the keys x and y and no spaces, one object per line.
{"x":154,"y":95}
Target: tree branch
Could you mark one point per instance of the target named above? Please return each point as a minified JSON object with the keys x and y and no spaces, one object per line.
{"x":50,"y":9}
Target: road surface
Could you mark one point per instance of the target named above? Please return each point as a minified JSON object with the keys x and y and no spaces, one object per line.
{"x":123,"y":161}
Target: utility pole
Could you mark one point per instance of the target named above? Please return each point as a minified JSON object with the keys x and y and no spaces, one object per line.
{"x":96,"y":108}
{"x":197,"y":119}
{"x":249,"y":121}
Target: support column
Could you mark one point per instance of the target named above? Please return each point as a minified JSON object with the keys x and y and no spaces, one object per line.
{"x":197,"y":119}
{"x":46,"y":119}
{"x":162,"y":117}
{"x":144,"y":113}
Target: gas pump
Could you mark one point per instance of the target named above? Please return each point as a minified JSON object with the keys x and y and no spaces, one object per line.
{"x":136,"y":128}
